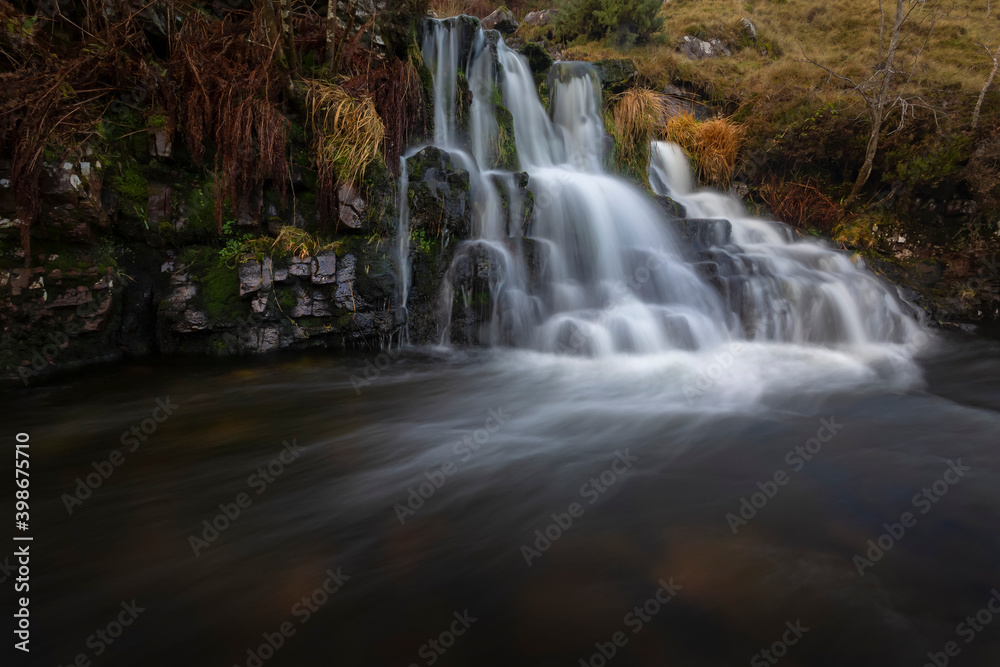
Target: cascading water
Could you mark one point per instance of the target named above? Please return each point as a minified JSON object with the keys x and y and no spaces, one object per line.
{"x":599,"y":270}
{"x":783,"y":289}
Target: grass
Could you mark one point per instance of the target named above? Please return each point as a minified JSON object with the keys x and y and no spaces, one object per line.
{"x":349,"y":132}
{"x":637,"y":116}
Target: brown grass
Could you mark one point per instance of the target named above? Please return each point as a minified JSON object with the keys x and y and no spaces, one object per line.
{"x":347,"y":134}
{"x":803,"y":205}
{"x":637,"y":115}
{"x":718,"y":143}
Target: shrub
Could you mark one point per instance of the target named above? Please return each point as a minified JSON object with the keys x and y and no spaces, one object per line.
{"x":631,"y":21}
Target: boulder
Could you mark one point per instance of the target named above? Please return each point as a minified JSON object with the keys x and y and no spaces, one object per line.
{"x":617,"y":75}
{"x":748,"y":28}
{"x":541,"y":18}
{"x":502,"y":20}
{"x":699,"y":49}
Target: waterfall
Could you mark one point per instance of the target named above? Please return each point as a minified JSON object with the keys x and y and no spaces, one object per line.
{"x":601,"y":268}
{"x":789,"y":290}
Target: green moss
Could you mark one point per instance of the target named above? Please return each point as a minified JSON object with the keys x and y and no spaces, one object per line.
{"x":218,"y":285}
{"x":133,"y":187}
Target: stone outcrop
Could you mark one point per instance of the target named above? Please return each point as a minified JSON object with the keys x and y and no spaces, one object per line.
{"x":540,"y":18}
{"x":501,"y":20}
{"x":699,"y":49}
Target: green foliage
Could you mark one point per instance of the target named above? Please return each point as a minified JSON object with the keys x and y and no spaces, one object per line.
{"x":420,"y":240}
{"x":936,"y":161}
{"x":133,"y":187}
{"x":630,"y":21}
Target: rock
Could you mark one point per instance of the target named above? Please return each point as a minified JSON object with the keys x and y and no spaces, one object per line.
{"x":320,"y":305}
{"x":159,"y":204}
{"x":502,"y":20}
{"x":301,"y":266}
{"x":673,"y":208}
{"x":617,"y":75}
{"x":748,"y":28}
{"x":699,"y":49}
{"x":541,"y":18}
{"x":344,"y":297}
{"x":303,"y":302}
{"x":160,"y":143}
{"x":352,"y":207}
{"x":251,"y":276}
{"x":194,"y":320}
{"x":280,"y":275}
{"x":77,"y":297}
{"x":538,"y":58}
{"x":325,"y":269}
{"x":439,"y":194}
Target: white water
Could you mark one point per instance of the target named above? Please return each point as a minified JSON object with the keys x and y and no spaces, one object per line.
{"x":613,"y":277}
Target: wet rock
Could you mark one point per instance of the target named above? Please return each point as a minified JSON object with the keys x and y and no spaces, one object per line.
{"x":344,"y":297}
{"x":538,"y":59}
{"x":672,"y":208}
{"x":301,"y":266}
{"x":303,"y":302}
{"x":502,"y":20}
{"x":439,"y":194}
{"x":541,"y":18}
{"x":702,"y":234}
{"x":325,"y":269}
{"x":699,"y":49}
{"x":320,"y":304}
{"x":251,"y":276}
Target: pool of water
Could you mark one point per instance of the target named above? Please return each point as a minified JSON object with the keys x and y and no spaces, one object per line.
{"x":512,"y":508}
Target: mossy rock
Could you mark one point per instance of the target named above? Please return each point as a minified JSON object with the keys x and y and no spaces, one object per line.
{"x":617,"y":75}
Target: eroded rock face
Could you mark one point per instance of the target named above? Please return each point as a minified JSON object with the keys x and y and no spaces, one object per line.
{"x":502,"y":20}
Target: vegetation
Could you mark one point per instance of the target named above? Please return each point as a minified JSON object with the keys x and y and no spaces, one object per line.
{"x":629,"y":21}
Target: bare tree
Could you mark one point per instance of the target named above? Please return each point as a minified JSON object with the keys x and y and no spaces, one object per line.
{"x":989,"y":81}
{"x":885,"y":90}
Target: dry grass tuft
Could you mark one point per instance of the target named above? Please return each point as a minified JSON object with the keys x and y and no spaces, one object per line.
{"x":348,"y":135}
{"x":718,"y":143}
{"x":300,"y":243}
{"x":637,"y":115}
{"x":682,"y":129}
